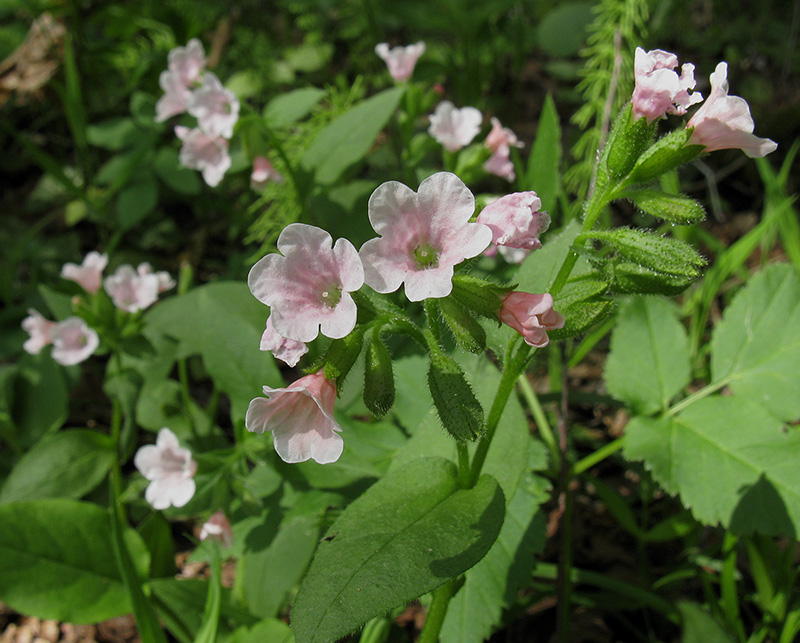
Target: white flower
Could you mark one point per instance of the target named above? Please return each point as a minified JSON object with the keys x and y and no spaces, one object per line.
{"x":170,"y":469}
{"x":454,"y":128}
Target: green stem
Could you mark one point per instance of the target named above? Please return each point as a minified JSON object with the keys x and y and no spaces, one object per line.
{"x":437,"y":612}
{"x":539,"y":416}
{"x":697,"y":395}
{"x":598,"y":456}
{"x":463,"y":465}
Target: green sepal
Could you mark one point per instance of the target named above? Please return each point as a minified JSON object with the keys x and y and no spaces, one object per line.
{"x":459,"y":410}
{"x":665,"y":154}
{"x":342,"y":354}
{"x":626,"y":142}
{"x":468,"y":333}
{"x":674,"y":208}
{"x":479,"y":295}
{"x":378,"y":377}
{"x":583,"y":304}
{"x":632,"y":278}
{"x":660,"y":254}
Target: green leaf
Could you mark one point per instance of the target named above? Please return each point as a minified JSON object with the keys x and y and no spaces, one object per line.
{"x":468,"y":333}
{"x":626,"y":142}
{"x":662,"y":254}
{"x":290,"y":107}
{"x":350,"y":136}
{"x":700,"y":627}
{"x":415,"y":522}
{"x":730,"y":461}
{"x":492,"y":585}
{"x":664,"y":155}
{"x":632,"y":279}
{"x":756,"y":347}
{"x":543,"y":174}
{"x":538,"y":272}
{"x":175,"y":176}
{"x":378,"y":377}
{"x":459,"y":410}
{"x":57,"y":561}
{"x":674,"y":208}
{"x":137,"y":200}
{"x":40,"y":397}
{"x":649,"y":360}
{"x":113,"y":134}
{"x":68,"y":464}
{"x":562,"y":31}
{"x":207,"y":633}
{"x":270,"y":629}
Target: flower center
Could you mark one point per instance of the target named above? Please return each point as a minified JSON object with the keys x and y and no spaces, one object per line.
{"x":425,"y":256}
{"x":331,"y":296}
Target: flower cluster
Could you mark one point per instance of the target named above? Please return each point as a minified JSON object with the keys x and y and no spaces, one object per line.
{"x":721,"y":122}
{"x":422,"y":237}
{"x":190,"y":88}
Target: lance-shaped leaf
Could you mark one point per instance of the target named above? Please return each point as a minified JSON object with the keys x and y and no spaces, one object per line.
{"x":468,"y":333}
{"x":665,"y":154}
{"x":409,"y":533}
{"x":631,"y":279}
{"x":458,"y":408}
{"x":674,"y":208}
{"x":378,"y":377}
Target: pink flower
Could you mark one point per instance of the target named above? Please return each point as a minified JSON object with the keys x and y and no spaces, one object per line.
{"x":300,"y":418}
{"x":287,"y":350}
{"x":659,"y":90}
{"x":188,"y":62}
{"x":531,"y":315}
{"x":501,"y":136}
{"x":73,"y":341}
{"x":516,"y":220}
{"x":175,"y":99}
{"x":217,"y":527}
{"x":185,"y":65}
{"x":500,"y":164}
{"x":165,"y":280}
{"x":454,"y":128}
{"x":170,"y":469}
{"x":400,"y":60}
{"x":307,"y":289}
{"x":215,"y":108}
{"x":39,"y":330}
{"x":423,"y":236}
{"x":263,"y":173}
{"x":209,"y":154}
{"x":724,"y":122}
{"x":131,"y":291}
{"x":89,"y":274}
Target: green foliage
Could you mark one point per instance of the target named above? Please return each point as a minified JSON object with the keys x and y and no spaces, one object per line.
{"x":672,"y":208}
{"x":459,"y":411}
{"x":544,"y":163}
{"x":416,"y":522}
{"x":286,"y":109}
{"x":378,"y":377}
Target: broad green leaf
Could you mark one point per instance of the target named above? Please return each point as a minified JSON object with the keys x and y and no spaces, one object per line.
{"x":649,"y":360}
{"x":756,"y":346}
{"x":57,"y":561}
{"x":137,"y":200}
{"x":701,"y":627}
{"x":730,"y":461}
{"x":493,"y":583}
{"x":269,"y":630}
{"x":290,"y":107}
{"x":67,"y":464}
{"x":417,"y":523}
{"x":350,"y":136}
{"x":179,"y":178}
{"x":113,"y":134}
{"x":223,"y":322}
{"x":40,"y":397}
{"x":543,"y":173}
{"x":538,"y":272}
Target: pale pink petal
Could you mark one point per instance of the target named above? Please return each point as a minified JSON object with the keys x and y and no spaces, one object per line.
{"x":131,"y":291}
{"x":263,"y":173}
{"x":209,"y":154}
{"x":89,"y":274}
{"x":181,"y":491}
{"x":175,"y":99}
{"x":659,"y":90}
{"x":400,"y":60}
{"x":170,"y":469}
{"x":500,"y":164}
{"x":73,"y":341}
{"x":39,"y":330}
{"x":215,"y":107}
{"x":531,"y":315}
{"x":187,"y":62}
{"x":284,"y":349}
{"x":454,"y":128}
{"x":516,"y":220}
{"x":218,"y":527}
{"x":501,"y":136}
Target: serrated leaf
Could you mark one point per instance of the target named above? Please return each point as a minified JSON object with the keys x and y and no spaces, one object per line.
{"x":661,"y":254}
{"x":756,"y":346}
{"x":417,"y":523}
{"x":729,"y":460}
{"x":674,"y":208}
{"x":290,"y":107}
{"x":350,"y":136}
{"x":68,"y":464}
{"x":649,"y":359}
{"x":665,"y":154}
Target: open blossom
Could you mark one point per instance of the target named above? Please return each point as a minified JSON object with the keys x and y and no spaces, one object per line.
{"x":170,"y":469}
{"x":400,"y":60}
{"x":217,"y":527}
{"x":423,"y":236}
{"x":131,"y":290}
{"x":454,"y":128}
{"x":209,"y":154}
{"x":89,"y":274}
{"x":215,"y":107}
{"x":501,"y":136}
{"x":287,"y":350}
{"x":308,"y":285}
{"x":73,"y":341}
{"x":185,"y":64}
{"x":500,"y":164}
{"x":263,"y":173}
{"x":531,"y":315}
{"x":165,"y":280}
{"x":659,"y":90}
{"x":39,"y":330}
{"x":724,"y":122}
{"x":300,"y":417}
{"x":516,"y":220}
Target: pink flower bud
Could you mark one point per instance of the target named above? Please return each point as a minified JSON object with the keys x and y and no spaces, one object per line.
{"x":516,"y":220}
{"x":400,"y":60}
{"x":218,"y":527}
{"x":724,"y":122}
{"x":300,"y":417}
{"x":454,"y":128}
{"x":89,"y":274}
{"x":263,"y":173}
{"x":659,"y":90}
{"x":531,"y":315}
{"x":170,"y":469}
